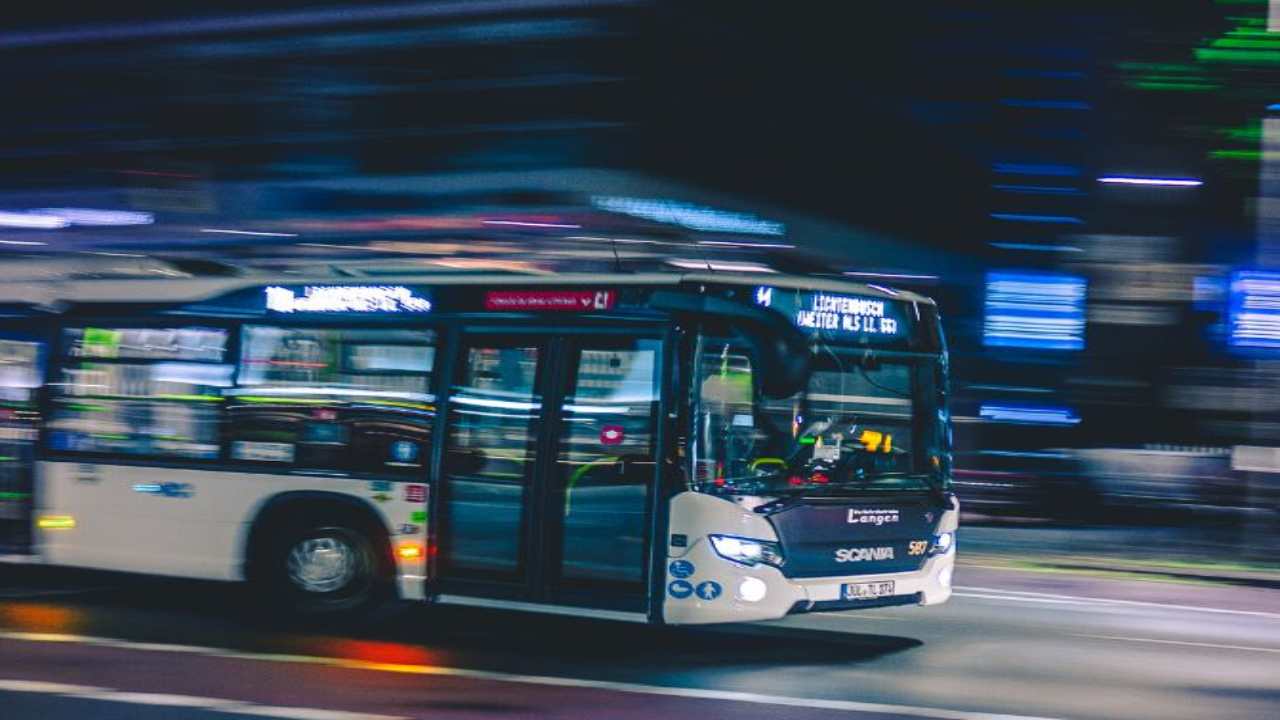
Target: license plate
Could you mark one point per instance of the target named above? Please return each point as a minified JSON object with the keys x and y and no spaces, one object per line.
{"x":866,"y":591}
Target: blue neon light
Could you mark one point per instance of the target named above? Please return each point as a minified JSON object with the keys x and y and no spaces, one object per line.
{"x":694,"y":217}
{"x":1039,"y":189}
{"x":1253,"y":310}
{"x":1049,"y":219}
{"x":1036,"y":169}
{"x":1043,"y":311}
{"x":1023,"y":414}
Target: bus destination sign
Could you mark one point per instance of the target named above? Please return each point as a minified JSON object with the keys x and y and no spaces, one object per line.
{"x":346,"y":299}
{"x":553,"y":300}
{"x":836,"y":314}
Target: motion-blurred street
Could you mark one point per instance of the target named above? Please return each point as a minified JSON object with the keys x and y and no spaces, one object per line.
{"x":683,"y":312}
{"x":1010,"y":644}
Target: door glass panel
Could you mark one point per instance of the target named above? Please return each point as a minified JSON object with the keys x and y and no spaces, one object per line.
{"x":605,"y":463}
{"x":21,"y":374}
{"x":493,"y":428}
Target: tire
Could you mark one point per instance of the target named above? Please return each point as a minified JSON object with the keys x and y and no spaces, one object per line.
{"x":323,"y":569}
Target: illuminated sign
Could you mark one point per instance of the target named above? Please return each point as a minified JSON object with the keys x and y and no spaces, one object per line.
{"x":1038,"y":310}
{"x":832,"y":313}
{"x":694,"y":217}
{"x":1254,"y":310}
{"x":346,"y":298}
{"x":564,"y":300}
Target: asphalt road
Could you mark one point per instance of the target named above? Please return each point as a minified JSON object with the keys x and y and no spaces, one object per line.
{"x":1020,"y":644}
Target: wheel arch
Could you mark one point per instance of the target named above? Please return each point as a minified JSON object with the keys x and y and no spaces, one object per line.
{"x":293,"y":507}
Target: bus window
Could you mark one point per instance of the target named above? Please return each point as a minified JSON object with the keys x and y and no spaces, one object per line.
{"x":345,"y":400}
{"x":140,"y":391}
{"x":605,"y":461}
{"x":857,"y":424}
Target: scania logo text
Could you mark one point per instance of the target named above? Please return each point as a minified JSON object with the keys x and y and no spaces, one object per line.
{"x":847,"y":555}
{"x":873,"y":516}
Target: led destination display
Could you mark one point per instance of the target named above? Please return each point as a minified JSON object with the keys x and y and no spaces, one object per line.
{"x":865,"y":318}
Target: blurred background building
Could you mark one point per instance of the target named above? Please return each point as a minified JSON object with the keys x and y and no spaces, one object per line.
{"x":1089,"y":188}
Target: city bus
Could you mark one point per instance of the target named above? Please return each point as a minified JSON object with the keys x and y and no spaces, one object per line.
{"x":677,"y":448}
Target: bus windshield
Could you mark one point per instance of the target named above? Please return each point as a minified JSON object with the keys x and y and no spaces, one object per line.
{"x":865,"y":421}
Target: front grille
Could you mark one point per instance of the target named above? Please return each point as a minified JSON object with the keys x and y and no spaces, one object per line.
{"x":844,"y":538}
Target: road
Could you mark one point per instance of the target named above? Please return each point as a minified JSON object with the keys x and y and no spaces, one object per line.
{"x":1010,"y":645}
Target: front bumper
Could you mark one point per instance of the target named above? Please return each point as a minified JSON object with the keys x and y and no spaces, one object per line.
{"x":929,"y":585}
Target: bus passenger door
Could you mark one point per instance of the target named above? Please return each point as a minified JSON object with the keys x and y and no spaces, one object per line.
{"x":548,"y":470}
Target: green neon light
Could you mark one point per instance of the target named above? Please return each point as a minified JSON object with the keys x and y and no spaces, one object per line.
{"x":14,"y":495}
{"x":1269,"y":57}
{"x":1268,"y":44}
{"x":1248,"y":133}
{"x":1254,"y":155}
{"x":1175,"y":86}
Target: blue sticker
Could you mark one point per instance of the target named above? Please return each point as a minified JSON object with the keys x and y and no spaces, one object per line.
{"x":380,"y":485}
{"x":680,"y":568}
{"x":709,"y":590}
{"x":680,"y":589}
{"x":168,"y":489}
{"x":404,"y":451}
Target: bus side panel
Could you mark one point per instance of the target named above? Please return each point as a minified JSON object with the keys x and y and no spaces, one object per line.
{"x":187,"y":522}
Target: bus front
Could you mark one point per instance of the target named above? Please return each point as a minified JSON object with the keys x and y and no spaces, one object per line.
{"x":830,"y":493}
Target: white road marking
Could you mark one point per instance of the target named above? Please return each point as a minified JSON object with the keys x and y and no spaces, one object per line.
{"x":1157,"y":641}
{"x":1050,"y":601}
{"x":221,"y":705}
{"x":437,"y":670}
{"x":38,"y":686}
{"x":1026,"y":596}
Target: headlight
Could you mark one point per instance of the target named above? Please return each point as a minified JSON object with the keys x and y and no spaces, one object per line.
{"x":746,"y":551}
{"x":942,"y":543}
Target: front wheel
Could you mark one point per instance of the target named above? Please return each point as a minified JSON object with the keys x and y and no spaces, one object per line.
{"x":323,"y":570}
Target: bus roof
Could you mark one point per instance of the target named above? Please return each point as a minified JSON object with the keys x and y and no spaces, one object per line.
{"x":169,"y":290}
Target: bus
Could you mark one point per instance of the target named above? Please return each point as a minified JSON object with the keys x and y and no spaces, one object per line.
{"x":668,"y":447}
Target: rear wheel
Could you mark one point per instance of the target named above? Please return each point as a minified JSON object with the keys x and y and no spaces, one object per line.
{"x":324,"y":569}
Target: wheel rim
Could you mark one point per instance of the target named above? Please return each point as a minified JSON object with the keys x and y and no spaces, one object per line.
{"x":322,"y":563}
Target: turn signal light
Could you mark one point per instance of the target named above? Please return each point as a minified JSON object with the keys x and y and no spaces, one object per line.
{"x":409,"y":552}
{"x":55,"y":522}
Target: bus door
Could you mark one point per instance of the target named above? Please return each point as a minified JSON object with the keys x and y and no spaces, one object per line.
{"x":549,"y":471}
